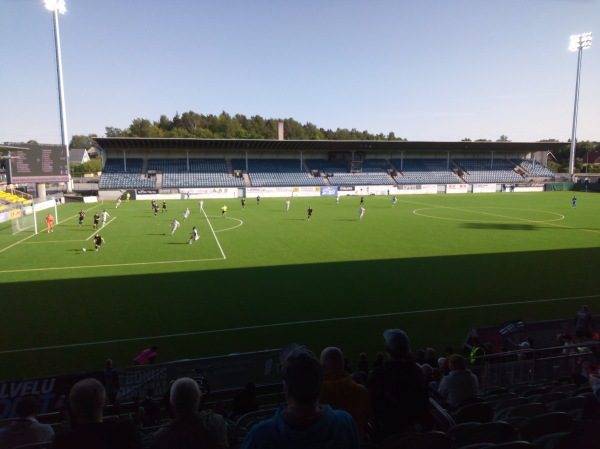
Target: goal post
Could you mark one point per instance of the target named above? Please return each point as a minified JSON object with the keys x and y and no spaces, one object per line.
{"x":30,"y":214}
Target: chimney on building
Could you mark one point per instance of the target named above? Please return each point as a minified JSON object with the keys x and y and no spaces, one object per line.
{"x":279,"y":130}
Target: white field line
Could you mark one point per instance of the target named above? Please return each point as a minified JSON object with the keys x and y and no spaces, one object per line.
{"x":295,"y":323}
{"x":78,"y":267}
{"x":214,"y":235}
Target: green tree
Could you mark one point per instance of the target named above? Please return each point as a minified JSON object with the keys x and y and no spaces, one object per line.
{"x":82,"y":142}
{"x":91,"y":166}
{"x":141,"y":127}
{"x":109,"y":131}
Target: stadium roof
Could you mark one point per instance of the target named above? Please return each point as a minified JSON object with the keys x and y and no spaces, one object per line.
{"x":250,"y":145}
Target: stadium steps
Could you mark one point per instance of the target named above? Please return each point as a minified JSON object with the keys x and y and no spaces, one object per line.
{"x":247,"y":182}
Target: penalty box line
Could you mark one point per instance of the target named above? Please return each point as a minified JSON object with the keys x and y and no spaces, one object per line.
{"x":296,"y":323}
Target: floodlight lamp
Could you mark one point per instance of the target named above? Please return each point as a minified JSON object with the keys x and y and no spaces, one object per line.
{"x":580,"y":41}
{"x":56,"y":5}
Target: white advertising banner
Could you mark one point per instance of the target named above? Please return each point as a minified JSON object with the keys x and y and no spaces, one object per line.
{"x":529,"y":188}
{"x":484,"y":188}
{"x":415,"y":189}
{"x":457,"y":188}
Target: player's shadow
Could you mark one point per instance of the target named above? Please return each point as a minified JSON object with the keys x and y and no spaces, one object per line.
{"x":178,"y":243}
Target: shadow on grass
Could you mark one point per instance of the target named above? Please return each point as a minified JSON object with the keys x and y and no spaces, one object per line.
{"x":501,"y":226}
{"x":252,"y":308}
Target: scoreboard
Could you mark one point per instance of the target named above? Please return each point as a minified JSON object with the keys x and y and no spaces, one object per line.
{"x":38,"y":163}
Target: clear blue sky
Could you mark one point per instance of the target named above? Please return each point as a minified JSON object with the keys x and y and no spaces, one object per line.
{"x":428,"y":70}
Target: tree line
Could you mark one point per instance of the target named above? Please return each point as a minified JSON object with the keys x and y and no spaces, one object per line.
{"x":224,"y":126}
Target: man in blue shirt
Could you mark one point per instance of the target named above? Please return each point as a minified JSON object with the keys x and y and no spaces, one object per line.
{"x":303,"y":422}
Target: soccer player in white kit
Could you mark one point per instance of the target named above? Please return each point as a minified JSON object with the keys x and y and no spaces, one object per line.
{"x":174,"y":226}
{"x":104,"y":216}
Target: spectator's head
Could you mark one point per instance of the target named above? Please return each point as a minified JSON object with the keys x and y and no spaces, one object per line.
{"x":427,"y":370}
{"x":109,"y":363}
{"x":185,"y":396}
{"x":87,"y":398}
{"x":27,"y":407}
{"x":397,"y":343}
{"x":584,"y":308}
{"x":456,"y":362}
{"x":302,"y":376}
{"x":332,"y":360}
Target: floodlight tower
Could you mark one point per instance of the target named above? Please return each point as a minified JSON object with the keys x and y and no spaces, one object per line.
{"x":58,"y":6}
{"x":577,"y":43}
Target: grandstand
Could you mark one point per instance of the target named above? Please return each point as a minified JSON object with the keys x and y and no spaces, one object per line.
{"x":209,"y":163}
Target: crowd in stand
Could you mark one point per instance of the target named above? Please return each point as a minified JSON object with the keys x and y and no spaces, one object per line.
{"x":327,"y":404}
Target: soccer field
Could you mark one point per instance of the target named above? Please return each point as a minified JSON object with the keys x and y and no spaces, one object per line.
{"x":434,"y":265}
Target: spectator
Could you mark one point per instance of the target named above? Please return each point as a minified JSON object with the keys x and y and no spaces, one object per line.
{"x":436,"y":379}
{"x":149,"y":410}
{"x":87,"y":399}
{"x":303,"y":423}
{"x":363,"y":363}
{"x":420,"y":356}
{"x":567,"y":341}
{"x":379,"y":360}
{"x":191,"y":427}
{"x":584,"y":324}
{"x":444,"y":366}
{"x":111,"y":382}
{"x":246,"y":401}
{"x":25,"y":429}
{"x":430,"y":357}
{"x":476,"y":351}
{"x":587,"y":366}
{"x":461,"y":385}
{"x":147,"y":356}
{"x":341,"y":392}
{"x":399,"y":395}
{"x":427,"y":371}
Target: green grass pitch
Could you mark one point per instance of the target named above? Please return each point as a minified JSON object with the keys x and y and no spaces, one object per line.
{"x":434,"y":265}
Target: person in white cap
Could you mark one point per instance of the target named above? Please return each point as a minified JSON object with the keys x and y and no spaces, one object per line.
{"x":399,"y":394}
